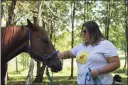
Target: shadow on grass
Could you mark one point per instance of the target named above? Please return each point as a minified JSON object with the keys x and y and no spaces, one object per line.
{"x":57,"y":80}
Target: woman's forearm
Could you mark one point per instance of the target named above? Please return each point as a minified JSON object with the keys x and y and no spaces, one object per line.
{"x":112,"y":66}
{"x":67,"y":54}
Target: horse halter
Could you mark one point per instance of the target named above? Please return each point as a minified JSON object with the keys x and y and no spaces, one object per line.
{"x":36,"y":54}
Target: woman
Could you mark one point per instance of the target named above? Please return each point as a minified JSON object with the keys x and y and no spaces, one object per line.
{"x":95,"y":56}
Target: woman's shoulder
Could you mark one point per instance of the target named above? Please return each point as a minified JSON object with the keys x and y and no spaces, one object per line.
{"x":106,"y":43}
{"x":79,"y":45}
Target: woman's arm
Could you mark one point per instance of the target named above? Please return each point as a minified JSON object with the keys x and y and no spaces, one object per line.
{"x":113,"y":64}
{"x":66,"y":54}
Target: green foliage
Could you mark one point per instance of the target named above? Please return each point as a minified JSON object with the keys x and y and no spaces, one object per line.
{"x":121,"y":70}
{"x":59,"y":13}
{"x":22,"y":61}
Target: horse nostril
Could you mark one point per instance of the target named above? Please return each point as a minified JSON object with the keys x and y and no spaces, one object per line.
{"x":52,"y":66}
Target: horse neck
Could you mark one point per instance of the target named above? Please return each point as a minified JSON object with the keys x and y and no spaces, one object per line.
{"x":14,"y":40}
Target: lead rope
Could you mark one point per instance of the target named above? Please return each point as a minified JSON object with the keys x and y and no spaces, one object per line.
{"x":48,"y":75}
{"x":88,"y":78}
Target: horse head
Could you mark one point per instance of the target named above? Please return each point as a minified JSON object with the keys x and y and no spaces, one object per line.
{"x":41,"y":48}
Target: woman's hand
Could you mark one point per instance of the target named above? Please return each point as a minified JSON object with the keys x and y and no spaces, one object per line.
{"x":94,"y":73}
{"x":60,"y":54}
{"x":65,"y":54}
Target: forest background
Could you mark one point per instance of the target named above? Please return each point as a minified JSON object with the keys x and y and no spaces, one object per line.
{"x":63,"y":20}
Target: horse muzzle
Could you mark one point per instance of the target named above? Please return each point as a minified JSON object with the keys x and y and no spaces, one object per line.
{"x":56,"y":68}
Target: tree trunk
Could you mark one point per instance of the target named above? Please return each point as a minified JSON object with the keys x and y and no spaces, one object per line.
{"x":72,"y":43}
{"x":40,"y":70}
{"x":38,"y":74}
{"x":107,"y":21}
{"x":30,"y":73}
{"x":10,"y":22}
{"x":2,"y":12}
{"x":126,"y":35}
{"x":85,"y":15}
{"x":51,"y":29}
{"x":16,"y":65}
{"x":11,"y":13}
{"x":38,"y":21}
{"x":125,"y":64}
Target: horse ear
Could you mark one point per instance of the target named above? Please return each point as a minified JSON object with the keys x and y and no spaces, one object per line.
{"x":29,"y":23}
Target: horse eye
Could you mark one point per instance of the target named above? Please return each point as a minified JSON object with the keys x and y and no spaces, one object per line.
{"x":45,"y":40}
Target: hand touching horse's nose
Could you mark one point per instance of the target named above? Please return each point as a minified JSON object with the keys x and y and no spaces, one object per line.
{"x":60,"y":54}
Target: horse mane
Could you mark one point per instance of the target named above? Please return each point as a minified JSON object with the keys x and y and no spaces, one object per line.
{"x":12,"y":36}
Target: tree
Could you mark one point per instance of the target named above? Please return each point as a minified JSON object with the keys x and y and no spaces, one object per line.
{"x":54,"y":16}
{"x":11,"y":13}
{"x":72,"y":37}
{"x":38,"y":20}
{"x":126,"y":36}
{"x":10,"y":20}
{"x":107,"y":20}
{"x":29,"y":79}
{"x":2,"y":10}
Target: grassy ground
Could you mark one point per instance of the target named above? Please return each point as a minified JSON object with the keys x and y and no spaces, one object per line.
{"x":60,"y":78}
{"x":57,"y":80}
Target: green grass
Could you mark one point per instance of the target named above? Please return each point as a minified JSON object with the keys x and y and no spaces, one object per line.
{"x":60,"y":78}
{"x":57,"y":80}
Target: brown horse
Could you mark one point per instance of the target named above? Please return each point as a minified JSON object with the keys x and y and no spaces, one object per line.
{"x":31,"y":39}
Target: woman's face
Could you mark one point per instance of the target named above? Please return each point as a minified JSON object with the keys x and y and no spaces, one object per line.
{"x":85,"y":35}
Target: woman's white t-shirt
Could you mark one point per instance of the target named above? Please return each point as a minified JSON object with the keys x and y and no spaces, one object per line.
{"x":93,"y":57}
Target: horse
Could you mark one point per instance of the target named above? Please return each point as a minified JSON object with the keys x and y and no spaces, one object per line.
{"x":31,"y":39}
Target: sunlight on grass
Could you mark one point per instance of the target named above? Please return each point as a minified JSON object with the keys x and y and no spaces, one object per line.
{"x":65,"y":71}
{"x":60,"y":78}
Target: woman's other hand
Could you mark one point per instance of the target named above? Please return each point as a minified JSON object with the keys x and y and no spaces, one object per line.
{"x":95,"y":73}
